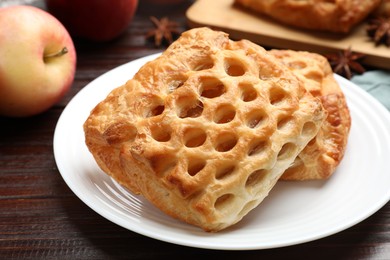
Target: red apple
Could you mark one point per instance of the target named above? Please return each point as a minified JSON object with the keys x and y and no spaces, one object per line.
{"x":96,"y":20}
{"x":37,"y":61}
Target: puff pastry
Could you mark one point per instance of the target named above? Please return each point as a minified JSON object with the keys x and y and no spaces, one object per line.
{"x":205,"y":130}
{"x":383,"y":9}
{"x":325,"y":15}
{"x":324,"y":153}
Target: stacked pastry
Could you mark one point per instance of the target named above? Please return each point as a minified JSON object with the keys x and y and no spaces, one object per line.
{"x":383,"y":9}
{"x":206,"y":130}
{"x":324,"y":153}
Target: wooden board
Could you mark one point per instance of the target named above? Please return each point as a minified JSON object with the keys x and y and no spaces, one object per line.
{"x":242,"y":24}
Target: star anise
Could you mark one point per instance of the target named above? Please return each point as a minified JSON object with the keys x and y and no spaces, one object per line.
{"x":346,"y":62}
{"x":379,"y":29}
{"x":165,"y":30}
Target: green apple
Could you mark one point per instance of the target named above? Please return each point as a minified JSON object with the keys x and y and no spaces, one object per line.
{"x":37,"y":61}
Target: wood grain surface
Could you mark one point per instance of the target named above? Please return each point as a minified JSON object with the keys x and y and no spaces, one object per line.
{"x":41,"y":218}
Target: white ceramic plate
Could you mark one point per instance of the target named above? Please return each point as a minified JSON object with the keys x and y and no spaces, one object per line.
{"x":293,"y":213}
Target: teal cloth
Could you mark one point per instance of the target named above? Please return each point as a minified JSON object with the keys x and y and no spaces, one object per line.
{"x":377,"y":83}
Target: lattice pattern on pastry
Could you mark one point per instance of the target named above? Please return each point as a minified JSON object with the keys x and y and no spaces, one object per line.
{"x":324,"y":153}
{"x":212,"y":126}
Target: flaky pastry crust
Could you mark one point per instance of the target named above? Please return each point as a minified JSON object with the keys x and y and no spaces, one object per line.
{"x":325,"y":15}
{"x":383,"y":9}
{"x":205,"y":130}
{"x":324,"y":153}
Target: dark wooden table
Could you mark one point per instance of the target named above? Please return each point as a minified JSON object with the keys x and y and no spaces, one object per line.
{"x":41,"y":218}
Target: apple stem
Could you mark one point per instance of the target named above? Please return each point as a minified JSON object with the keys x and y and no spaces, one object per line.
{"x":56,"y":54}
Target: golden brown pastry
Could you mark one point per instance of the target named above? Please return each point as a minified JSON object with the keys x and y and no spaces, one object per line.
{"x":205,"y":130}
{"x":383,"y":9}
{"x":324,"y":15}
{"x":324,"y":153}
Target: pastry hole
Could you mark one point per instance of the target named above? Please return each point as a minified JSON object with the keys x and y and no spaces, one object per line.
{"x":162,"y":163}
{"x":298,"y":65}
{"x":155,"y":110}
{"x":158,"y":110}
{"x":255,"y":178}
{"x":248,"y":92}
{"x":188,"y":107}
{"x":194,"y":137}
{"x":224,"y":172}
{"x":257,"y":147}
{"x":195,"y":166}
{"x":334,"y":120}
{"x":314,"y":75}
{"x":255,"y":118}
{"x":285,"y":123}
{"x":287,"y":151}
{"x":226,"y":142}
{"x":212,"y":88}
{"x":223,"y":201}
{"x":224,"y":114}
{"x":160,"y":133}
{"x":234,"y":68}
{"x":309,"y":128}
{"x":277,"y":96}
